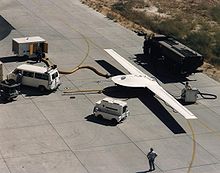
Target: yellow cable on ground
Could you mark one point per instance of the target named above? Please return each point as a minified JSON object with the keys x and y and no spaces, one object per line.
{"x":81,"y":91}
{"x":194,"y":146}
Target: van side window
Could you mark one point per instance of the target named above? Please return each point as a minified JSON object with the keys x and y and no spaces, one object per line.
{"x":41,"y":76}
{"x":111,"y":108}
{"x":54,"y":75}
{"x":28,"y":74}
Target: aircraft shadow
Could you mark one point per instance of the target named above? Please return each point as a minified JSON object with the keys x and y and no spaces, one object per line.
{"x":148,"y":99}
{"x":123,"y":92}
{"x":109,"y":68}
{"x":155,"y":106}
{"x":5,"y":28}
{"x":145,"y":96}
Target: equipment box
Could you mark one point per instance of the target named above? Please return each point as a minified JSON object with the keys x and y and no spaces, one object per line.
{"x":189,"y":95}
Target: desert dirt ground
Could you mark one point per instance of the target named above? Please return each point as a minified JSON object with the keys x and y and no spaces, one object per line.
{"x":104,"y":7}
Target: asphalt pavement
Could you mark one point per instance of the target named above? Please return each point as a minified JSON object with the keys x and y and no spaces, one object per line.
{"x":57,"y":133}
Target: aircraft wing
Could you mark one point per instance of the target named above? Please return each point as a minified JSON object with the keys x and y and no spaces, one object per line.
{"x":165,"y":96}
{"x":127,"y":65}
{"x":140,"y":79}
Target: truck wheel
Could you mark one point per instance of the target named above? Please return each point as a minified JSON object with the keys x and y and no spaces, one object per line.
{"x":26,"y":57}
{"x":100,"y":116}
{"x":11,"y":81}
{"x":114,"y":121}
{"x":42,"y":88}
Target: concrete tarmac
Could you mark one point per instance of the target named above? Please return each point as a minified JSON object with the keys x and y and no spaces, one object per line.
{"x":56,"y":132}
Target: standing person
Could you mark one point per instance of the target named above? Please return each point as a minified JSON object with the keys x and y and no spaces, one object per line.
{"x":187,"y":86}
{"x":19,"y":77}
{"x":151,"y":157}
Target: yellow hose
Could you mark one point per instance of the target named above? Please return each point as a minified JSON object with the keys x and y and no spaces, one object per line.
{"x":48,"y":64}
{"x":81,"y":91}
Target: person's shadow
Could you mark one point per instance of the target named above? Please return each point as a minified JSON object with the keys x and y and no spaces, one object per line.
{"x":144,"y":171}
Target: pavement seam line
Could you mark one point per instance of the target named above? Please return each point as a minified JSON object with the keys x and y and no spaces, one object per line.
{"x":193,"y":147}
{"x":61,"y":137}
{"x":4,"y":160}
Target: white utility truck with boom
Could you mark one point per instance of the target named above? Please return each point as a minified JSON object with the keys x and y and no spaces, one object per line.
{"x":111,"y":109}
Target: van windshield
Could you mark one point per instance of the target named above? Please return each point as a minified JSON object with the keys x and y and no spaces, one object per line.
{"x":16,"y":71}
{"x":125,"y":109}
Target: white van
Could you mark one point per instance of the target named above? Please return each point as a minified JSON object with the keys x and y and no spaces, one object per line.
{"x":111,"y":109}
{"x":43,"y":78}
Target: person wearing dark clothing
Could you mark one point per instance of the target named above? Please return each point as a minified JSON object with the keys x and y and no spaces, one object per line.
{"x":19,"y":77}
{"x":151,"y":157}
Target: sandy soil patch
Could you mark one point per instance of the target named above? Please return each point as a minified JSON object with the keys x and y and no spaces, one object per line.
{"x":104,"y":7}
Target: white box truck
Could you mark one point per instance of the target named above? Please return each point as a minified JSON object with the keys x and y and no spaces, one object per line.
{"x":111,"y":109}
{"x":29,"y":47}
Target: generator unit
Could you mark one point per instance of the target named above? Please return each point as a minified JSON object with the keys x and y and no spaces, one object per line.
{"x":180,"y":58}
{"x":189,"y":95}
{"x":30,"y":47}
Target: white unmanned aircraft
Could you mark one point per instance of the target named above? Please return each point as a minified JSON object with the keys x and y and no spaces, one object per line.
{"x":137,"y":78}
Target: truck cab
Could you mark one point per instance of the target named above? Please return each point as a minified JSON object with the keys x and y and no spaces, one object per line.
{"x":111,"y":109}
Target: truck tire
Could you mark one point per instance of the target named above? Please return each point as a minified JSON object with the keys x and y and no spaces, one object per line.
{"x":100,"y":117}
{"x":42,"y":88}
{"x":11,"y":81}
{"x":114,"y":121}
{"x":26,"y":57}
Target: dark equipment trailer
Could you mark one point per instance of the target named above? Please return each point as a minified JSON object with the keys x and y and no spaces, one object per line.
{"x":9,"y":91}
{"x":181,"y":59}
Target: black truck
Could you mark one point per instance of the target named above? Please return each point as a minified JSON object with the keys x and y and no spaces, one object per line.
{"x":181,"y":59}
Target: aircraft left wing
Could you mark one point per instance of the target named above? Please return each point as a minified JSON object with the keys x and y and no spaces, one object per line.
{"x":127,"y":65}
{"x":139,"y":79}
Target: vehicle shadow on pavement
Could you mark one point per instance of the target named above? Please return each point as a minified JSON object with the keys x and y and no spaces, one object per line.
{"x":109,"y":68}
{"x":10,"y":59}
{"x":31,"y":91}
{"x":100,"y":121}
{"x":3,"y":101}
